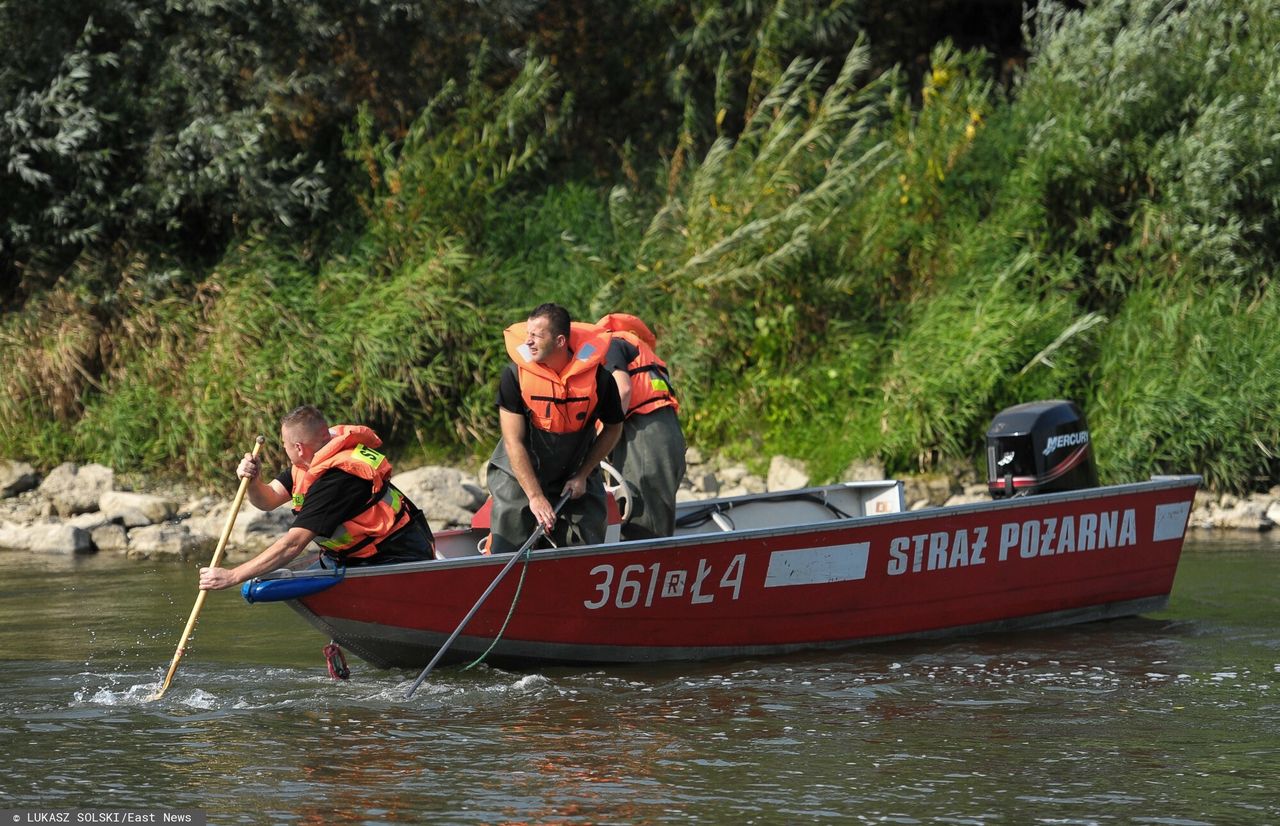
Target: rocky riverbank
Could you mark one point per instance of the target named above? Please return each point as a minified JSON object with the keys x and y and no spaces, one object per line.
{"x":84,"y":509}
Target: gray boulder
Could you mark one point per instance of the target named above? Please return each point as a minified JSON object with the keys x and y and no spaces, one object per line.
{"x":26,"y":507}
{"x":167,"y":542}
{"x":16,"y":477}
{"x":446,"y":495}
{"x":1243,"y":515}
{"x":110,"y":537}
{"x":786,"y":473}
{"x":133,"y":510}
{"x":45,"y":537}
{"x":252,"y":526}
{"x":731,"y":475}
{"x":73,"y":489}
{"x":89,"y":521}
{"x":443,"y":485}
{"x":971,"y":495}
{"x":864,"y":470}
{"x":12,"y":536}
{"x":704,"y":483}
{"x":928,"y":490}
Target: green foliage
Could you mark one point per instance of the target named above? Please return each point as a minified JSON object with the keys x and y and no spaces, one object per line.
{"x":180,"y":126}
{"x":1189,"y":381}
{"x":542,"y":247}
{"x":978,"y":345}
{"x":254,"y":348}
{"x":840,"y":261}
{"x":457,"y":158}
{"x":385,"y":336}
{"x":1150,"y":138}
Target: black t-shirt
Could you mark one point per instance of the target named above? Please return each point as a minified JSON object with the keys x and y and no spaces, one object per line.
{"x":608,"y":405}
{"x":331,"y":500}
{"x":621,"y":353}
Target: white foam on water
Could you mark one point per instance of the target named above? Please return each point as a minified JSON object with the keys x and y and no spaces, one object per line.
{"x":135,"y":695}
{"x":530,"y":682}
{"x":200,"y":699}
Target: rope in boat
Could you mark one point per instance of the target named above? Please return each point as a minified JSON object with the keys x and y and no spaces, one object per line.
{"x":510,"y":612}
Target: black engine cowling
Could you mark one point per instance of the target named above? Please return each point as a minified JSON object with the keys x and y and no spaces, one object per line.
{"x":1039,"y":447}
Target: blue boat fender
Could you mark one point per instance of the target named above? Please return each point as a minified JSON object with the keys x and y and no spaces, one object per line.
{"x":284,"y":585}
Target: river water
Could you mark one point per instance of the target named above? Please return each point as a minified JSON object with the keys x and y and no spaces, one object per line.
{"x":1172,"y":718}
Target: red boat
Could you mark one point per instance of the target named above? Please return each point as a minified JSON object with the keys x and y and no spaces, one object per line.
{"x":819,"y":568}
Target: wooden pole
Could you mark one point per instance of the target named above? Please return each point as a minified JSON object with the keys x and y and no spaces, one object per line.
{"x":217,"y":557}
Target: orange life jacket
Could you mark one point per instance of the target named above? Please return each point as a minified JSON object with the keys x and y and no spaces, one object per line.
{"x":650,"y":380}
{"x":627,"y":323}
{"x":560,"y":402}
{"x":352,"y":450}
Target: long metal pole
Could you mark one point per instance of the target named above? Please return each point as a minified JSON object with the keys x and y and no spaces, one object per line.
{"x":534,"y":537}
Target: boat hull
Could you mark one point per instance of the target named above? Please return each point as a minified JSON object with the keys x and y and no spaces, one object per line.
{"x":1012,"y":564}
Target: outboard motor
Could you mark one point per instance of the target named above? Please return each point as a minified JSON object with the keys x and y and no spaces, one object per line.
{"x":1039,"y":447}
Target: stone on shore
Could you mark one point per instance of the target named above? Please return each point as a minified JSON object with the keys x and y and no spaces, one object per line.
{"x":704,"y":482}
{"x":110,"y":537}
{"x":971,"y":495}
{"x":1243,"y":515}
{"x":252,"y":526}
{"x":12,"y":536}
{"x":447,"y":496}
{"x":134,"y":510}
{"x":73,"y":489}
{"x":786,"y":473}
{"x":926,"y":491}
{"x":167,"y":542}
{"x":16,"y":477}
{"x":863,"y":470}
{"x":732,"y":475}
{"x":45,"y":537}
{"x":89,"y":521}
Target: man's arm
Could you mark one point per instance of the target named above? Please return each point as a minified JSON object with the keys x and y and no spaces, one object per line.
{"x":623,"y":379}
{"x":279,"y":553}
{"x":513,"y":433}
{"x":262,"y":496}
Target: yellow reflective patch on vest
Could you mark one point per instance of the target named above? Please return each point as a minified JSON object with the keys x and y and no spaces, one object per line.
{"x":659,"y":385}
{"x":368,"y":455}
{"x":336,"y":542}
{"x":297,"y":500}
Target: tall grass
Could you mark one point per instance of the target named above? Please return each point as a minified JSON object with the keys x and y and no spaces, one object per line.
{"x":1188,"y":381}
{"x":731,"y":264}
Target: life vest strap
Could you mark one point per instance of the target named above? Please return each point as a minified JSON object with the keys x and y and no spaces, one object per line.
{"x":558,"y":400}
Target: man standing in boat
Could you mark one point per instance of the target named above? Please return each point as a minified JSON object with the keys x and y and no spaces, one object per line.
{"x":549,"y":400}
{"x":650,"y":454}
{"x":342,"y":497}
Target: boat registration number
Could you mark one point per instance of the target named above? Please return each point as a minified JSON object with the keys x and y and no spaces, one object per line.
{"x":635,"y":585}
